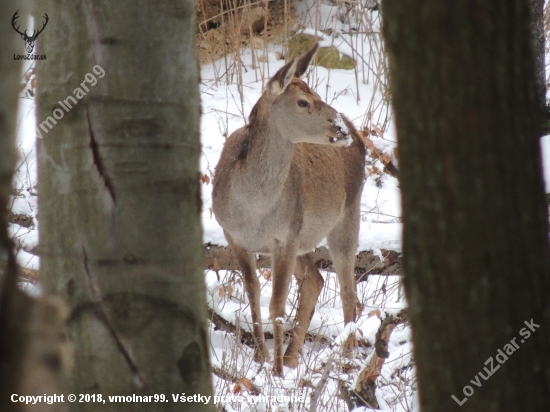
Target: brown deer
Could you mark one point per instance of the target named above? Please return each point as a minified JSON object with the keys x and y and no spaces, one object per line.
{"x":285,"y":181}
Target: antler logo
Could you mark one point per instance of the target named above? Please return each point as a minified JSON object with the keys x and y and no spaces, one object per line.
{"x":29,"y":40}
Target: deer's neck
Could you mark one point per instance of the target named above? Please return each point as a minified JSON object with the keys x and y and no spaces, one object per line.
{"x":265,"y":167}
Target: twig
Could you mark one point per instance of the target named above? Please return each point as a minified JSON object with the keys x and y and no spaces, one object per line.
{"x":321,"y":385}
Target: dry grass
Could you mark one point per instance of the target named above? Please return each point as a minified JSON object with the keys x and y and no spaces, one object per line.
{"x":226,"y":27}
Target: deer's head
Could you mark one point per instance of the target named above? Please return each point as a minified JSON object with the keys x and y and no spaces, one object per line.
{"x":296,"y":111}
{"x":29,"y":40}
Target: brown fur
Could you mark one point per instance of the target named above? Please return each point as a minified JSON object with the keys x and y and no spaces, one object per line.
{"x":282,"y":185}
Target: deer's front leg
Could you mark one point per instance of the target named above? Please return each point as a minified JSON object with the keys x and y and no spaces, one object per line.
{"x":252,"y":288}
{"x":342,"y":242}
{"x":283,"y":261}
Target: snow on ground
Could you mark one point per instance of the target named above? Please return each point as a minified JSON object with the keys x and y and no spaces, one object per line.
{"x":396,"y":384}
{"x":327,"y":321}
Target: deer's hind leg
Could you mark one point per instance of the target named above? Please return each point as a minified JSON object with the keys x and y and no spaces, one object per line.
{"x":247,"y":263}
{"x":310,"y":284}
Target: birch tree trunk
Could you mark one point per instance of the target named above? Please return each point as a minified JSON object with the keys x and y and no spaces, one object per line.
{"x":475,"y":243}
{"x":121,"y":239}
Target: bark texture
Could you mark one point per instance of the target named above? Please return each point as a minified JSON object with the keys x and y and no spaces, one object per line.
{"x":14,"y":315}
{"x":120,"y":198}
{"x":537,"y":30}
{"x":475,"y":243}
{"x":365,"y":387}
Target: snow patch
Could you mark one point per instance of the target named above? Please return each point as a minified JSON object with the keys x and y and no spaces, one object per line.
{"x":339,"y":122}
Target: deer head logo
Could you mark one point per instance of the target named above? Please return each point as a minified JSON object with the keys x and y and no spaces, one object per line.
{"x":29,"y":40}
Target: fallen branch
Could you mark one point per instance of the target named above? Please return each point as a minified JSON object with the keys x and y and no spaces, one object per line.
{"x":221,"y":258}
{"x":226,"y":376}
{"x":366,"y":382}
{"x":366,"y":262}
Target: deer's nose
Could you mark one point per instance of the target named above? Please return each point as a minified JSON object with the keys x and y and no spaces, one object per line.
{"x":341,"y":125}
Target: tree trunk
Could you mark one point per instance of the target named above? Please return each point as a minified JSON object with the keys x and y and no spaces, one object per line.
{"x":475,"y":242}
{"x":13,"y":314}
{"x":537,"y":30}
{"x":120,"y":198}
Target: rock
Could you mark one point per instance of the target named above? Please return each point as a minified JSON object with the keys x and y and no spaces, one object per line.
{"x":328,"y":57}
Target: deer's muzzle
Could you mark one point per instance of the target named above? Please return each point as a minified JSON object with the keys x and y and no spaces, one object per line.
{"x":342,"y":131}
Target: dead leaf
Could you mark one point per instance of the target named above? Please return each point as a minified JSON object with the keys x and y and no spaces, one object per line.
{"x":377,"y":130}
{"x":225,"y":291}
{"x":366,"y":141}
{"x":265,"y":273}
{"x":376,"y":313}
{"x":242,"y":385}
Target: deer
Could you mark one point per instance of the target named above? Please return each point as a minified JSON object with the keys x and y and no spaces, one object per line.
{"x":285,"y":181}
{"x":29,"y":40}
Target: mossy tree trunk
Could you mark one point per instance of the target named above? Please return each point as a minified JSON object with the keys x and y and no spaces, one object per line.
{"x":121,"y":239}
{"x":475,"y":240}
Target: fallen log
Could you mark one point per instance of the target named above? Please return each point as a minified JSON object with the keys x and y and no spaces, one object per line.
{"x":221,"y":258}
{"x":366,"y":263}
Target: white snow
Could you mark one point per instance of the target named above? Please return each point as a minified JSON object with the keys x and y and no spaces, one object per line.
{"x":545,"y":151}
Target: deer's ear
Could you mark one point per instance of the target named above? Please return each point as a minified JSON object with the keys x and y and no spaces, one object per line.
{"x":278,"y":83}
{"x":305,"y":60}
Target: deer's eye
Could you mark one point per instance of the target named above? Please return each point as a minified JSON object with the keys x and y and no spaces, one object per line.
{"x":303,"y":103}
